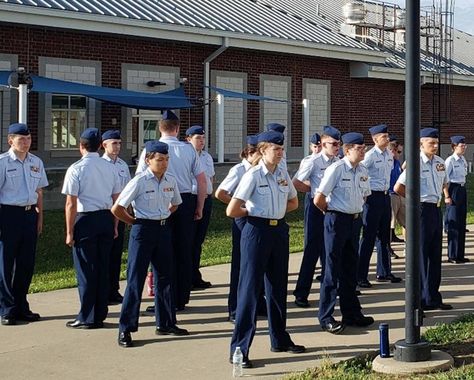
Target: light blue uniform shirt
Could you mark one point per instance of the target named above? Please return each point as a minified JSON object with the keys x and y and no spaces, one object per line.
{"x":432,"y":178}
{"x":380,"y":165}
{"x":92,"y":182}
{"x":20,"y":180}
{"x":265,"y":194}
{"x":345,"y":187}
{"x":312,"y":167}
{"x":150,"y":198}
{"x":456,"y":169}
{"x":184,"y":163}
{"x":207,"y":164}
{"x":232,"y":180}
{"x":121,"y":168}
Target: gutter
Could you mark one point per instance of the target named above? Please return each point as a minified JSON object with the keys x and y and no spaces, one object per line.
{"x":207,"y":81}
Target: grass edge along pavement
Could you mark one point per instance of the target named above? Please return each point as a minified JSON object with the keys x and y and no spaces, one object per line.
{"x":455,"y":338}
{"x":54,"y":268}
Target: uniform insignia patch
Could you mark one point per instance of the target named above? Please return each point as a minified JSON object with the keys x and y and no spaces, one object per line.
{"x":440,"y":167}
{"x":35,"y":169}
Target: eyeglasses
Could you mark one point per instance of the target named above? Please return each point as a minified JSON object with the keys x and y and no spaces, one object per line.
{"x":333,"y":143}
{"x":361,"y":148}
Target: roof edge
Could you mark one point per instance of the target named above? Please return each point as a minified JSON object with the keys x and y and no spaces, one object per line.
{"x":94,"y":23}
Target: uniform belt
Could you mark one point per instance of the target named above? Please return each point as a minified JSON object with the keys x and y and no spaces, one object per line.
{"x":458,"y":184}
{"x":354,"y":216}
{"x":385,"y":192}
{"x":159,"y":222}
{"x":264,"y":221}
{"x":22,"y":208}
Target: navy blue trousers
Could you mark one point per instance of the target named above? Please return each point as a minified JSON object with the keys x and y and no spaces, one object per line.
{"x":430,"y":254}
{"x":341,"y":240}
{"x":150,"y":241}
{"x":237,"y":226}
{"x":264,"y":256}
{"x":115,"y":262}
{"x":200,"y":235}
{"x":313,"y":247}
{"x":455,"y":221}
{"x":18,"y":235}
{"x":183,"y":231}
{"x":93,"y":240}
{"x":376,"y":224}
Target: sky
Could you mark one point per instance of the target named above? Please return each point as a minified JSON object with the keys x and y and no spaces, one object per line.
{"x":463,"y":12}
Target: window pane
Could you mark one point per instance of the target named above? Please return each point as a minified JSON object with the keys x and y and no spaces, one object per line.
{"x":59,"y":101}
{"x":149,"y":130}
{"x":77,"y":125}
{"x":59,"y":129}
{"x":78,"y":102}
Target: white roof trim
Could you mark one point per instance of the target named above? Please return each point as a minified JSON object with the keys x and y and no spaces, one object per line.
{"x":363,"y":70}
{"x":103,"y":24}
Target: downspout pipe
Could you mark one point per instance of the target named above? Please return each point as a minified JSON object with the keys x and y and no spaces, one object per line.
{"x":207,"y":83}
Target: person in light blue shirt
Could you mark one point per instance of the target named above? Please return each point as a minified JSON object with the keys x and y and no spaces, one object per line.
{"x":377,"y":211}
{"x":154,"y":195}
{"x":224,"y":193}
{"x":341,"y":196}
{"x":432,"y":187}
{"x":22,"y":179}
{"x":264,"y":196}
{"x":195,"y":136}
{"x":312,"y":169}
{"x":90,"y":187}
{"x":456,"y":211}
{"x":185,"y":166}
{"x":112,"y":143}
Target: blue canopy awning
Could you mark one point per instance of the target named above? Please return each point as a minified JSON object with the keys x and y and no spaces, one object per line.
{"x":174,"y":99}
{"x":243,"y":95}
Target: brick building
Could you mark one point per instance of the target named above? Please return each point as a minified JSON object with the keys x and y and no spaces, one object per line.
{"x":281,"y":49}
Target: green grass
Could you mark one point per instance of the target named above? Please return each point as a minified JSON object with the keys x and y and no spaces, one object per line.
{"x":456,"y":338}
{"x":54,"y":268}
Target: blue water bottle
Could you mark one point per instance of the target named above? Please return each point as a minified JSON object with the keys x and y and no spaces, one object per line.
{"x":384,"y":344}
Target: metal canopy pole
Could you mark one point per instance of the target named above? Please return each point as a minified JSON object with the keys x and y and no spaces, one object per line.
{"x":305,"y":127}
{"x":412,"y":349}
{"x":220,"y":128}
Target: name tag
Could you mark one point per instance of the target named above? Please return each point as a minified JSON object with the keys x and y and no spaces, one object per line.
{"x":149,"y":191}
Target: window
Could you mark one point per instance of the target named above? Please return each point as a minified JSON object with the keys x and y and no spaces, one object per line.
{"x":69,"y":120}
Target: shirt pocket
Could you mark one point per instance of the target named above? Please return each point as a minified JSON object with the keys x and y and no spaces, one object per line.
{"x":346,"y":187}
{"x":13,"y":177}
{"x":35,"y":178}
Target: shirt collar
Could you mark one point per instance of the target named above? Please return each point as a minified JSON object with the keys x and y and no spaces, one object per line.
{"x":14,"y":157}
{"x":247,"y":165}
{"x":106,"y":157}
{"x":168,"y":138}
{"x":149,"y":175}
{"x":456,"y":156}
{"x":348,"y":164}
{"x":424,"y":157}
{"x":91,"y":154}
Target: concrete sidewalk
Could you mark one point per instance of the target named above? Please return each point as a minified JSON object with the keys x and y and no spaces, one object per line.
{"x":49,"y":350}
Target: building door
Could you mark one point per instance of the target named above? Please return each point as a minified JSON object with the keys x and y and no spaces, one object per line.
{"x":147,"y":129}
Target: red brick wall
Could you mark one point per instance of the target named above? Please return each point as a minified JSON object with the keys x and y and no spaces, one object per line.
{"x":356,"y":104}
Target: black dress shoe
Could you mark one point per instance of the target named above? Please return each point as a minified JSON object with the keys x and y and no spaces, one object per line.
{"x":246,"y":362}
{"x":441,"y":306}
{"x":364,"y":284}
{"x":8,"y":320}
{"x":115,"y":299}
{"x":301,"y":302}
{"x":292,"y":348}
{"x":231,"y":319}
{"x":28,"y":317}
{"x":465,"y":260}
{"x":390,"y":278}
{"x":150,"y":309}
{"x":201,"y":285}
{"x":333,"y":327}
{"x":173,"y":330}
{"x":359,"y":321}
{"x":396,"y":239}
{"x":393,"y":255}
{"x":124,"y":339}
{"x":358,"y":293}
{"x":319,"y":278}
{"x":76,"y":324}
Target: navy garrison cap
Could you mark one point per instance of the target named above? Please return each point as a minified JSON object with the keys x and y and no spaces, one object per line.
{"x":353,"y":138}
{"x":276,"y":127}
{"x":170,"y":115}
{"x":315,"y":139}
{"x":155,"y":146}
{"x":381,"y":128}
{"x":111,"y":134}
{"x":18,"y":129}
{"x":458,"y":140}
{"x":91,"y":134}
{"x":429,"y":132}
{"x":392,"y":138}
{"x":329,"y":130}
{"x":195,"y":130}
{"x":271,"y":137}
{"x":252,"y":140}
